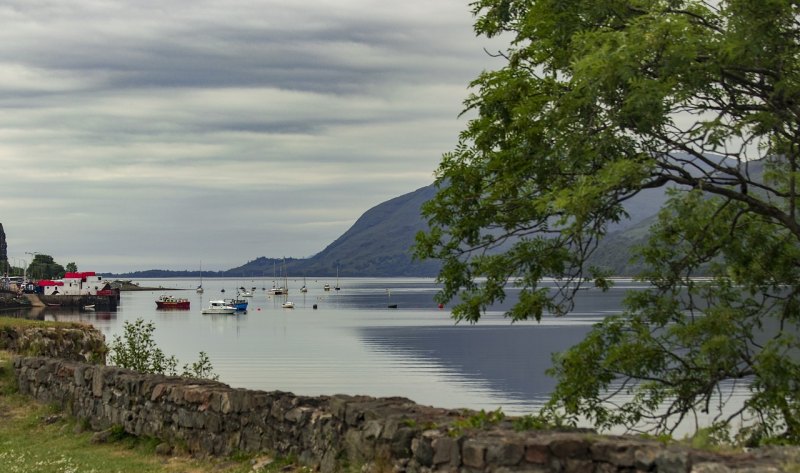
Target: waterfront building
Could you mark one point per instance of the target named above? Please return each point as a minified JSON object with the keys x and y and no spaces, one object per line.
{"x":86,"y":283}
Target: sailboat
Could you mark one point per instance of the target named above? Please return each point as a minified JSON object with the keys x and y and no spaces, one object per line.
{"x":304,"y":288}
{"x":285,"y":288}
{"x":275,"y":289}
{"x":200,"y":287}
{"x":337,"y":279}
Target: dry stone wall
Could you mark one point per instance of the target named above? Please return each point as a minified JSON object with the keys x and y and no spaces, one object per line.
{"x":332,"y":432}
{"x":69,"y":342}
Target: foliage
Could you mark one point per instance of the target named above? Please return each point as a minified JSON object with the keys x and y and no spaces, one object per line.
{"x":479,"y":420}
{"x":137,"y":350}
{"x":43,"y":267}
{"x":597,"y":101}
{"x":542,"y":420}
{"x":201,"y":369}
{"x":72,"y":267}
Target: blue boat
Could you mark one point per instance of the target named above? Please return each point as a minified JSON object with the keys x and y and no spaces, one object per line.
{"x":239,"y":304}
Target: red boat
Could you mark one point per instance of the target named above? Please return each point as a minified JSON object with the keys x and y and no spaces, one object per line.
{"x":169,"y":302}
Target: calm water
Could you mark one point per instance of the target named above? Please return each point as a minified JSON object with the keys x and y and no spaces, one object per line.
{"x":354,"y":344}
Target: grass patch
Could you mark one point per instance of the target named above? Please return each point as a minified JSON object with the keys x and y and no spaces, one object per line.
{"x":38,"y":438}
{"x":14,"y":322}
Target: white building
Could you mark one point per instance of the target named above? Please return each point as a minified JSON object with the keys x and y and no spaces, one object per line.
{"x":76,"y":284}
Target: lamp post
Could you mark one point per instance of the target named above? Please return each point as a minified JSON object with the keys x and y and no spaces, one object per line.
{"x":33,"y":258}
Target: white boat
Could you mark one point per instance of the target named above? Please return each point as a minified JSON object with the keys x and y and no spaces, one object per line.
{"x":244,"y":292}
{"x":326,"y":287}
{"x":288,"y":305}
{"x":304,"y":288}
{"x":219,"y":307}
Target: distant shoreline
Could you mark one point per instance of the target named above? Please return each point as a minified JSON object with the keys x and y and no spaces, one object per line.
{"x":131,"y":286}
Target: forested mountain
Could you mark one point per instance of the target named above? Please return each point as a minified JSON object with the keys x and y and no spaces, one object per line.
{"x":378,"y":244}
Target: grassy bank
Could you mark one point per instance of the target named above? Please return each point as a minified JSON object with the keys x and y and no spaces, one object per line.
{"x":37,"y":438}
{"x":15,"y":322}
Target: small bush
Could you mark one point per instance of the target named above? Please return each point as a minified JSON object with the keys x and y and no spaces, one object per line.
{"x":137,"y":350}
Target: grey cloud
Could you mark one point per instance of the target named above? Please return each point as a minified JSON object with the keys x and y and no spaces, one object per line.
{"x":162,"y":134}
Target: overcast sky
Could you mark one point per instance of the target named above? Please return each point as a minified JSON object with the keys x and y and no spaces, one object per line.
{"x":148,"y":134}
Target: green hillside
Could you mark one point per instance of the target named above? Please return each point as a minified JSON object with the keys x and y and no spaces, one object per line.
{"x":378,"y":244}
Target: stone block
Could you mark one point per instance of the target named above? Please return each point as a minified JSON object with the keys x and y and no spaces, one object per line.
{"x":401,"y":442}
{"x":671,"y":461}
{"x":617,"y":452}
{"x":570,"y":446}
{"x":473,"y":454}
{"x":97,"y":382}
{"x":298,"y":415}
{"x":446,"y":450}
{"x":196,"y":395}
{"x":337,"y":405}
{"x":372,"y":429}
{"x":423,"y":451}
{"x":537,"y":453}
{"x":78,"y":375}
{"x":504,"y":453}
{"x":212,"y":422}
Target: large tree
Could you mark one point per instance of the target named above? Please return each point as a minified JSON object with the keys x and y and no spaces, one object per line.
{"x":44,"y":267}
{"x":597,"y":100}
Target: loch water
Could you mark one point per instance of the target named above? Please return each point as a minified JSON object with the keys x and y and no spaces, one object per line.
{"x":354,"y":343}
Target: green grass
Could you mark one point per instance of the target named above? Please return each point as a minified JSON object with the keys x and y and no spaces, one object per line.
{"x":28,"y":444}
{"x":27,"y":323}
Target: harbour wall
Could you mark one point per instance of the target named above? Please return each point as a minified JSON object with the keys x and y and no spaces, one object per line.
{"x":96,"y":302}
{"x":332,"y":433}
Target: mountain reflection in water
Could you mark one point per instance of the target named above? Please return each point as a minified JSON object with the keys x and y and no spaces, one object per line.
{"x":505,"y":359}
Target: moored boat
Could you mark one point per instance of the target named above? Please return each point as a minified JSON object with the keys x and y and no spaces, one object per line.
{"x":288,"y":305}
{"x":169,"y":302}
{"x":238,"y":304}
{"x":219,"y":307}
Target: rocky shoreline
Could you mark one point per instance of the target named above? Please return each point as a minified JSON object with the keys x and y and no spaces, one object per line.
{"x":127,"y":285}
{"x":10,"y":300}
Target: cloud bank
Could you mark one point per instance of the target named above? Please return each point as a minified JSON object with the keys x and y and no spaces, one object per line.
{"x":137,"y":135}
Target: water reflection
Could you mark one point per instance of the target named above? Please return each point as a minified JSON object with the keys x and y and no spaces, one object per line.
{"x":507,"y":360}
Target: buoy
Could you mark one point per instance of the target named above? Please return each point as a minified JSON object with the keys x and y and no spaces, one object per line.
{"x":441,"y":306}
{"x":314,"y":306}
